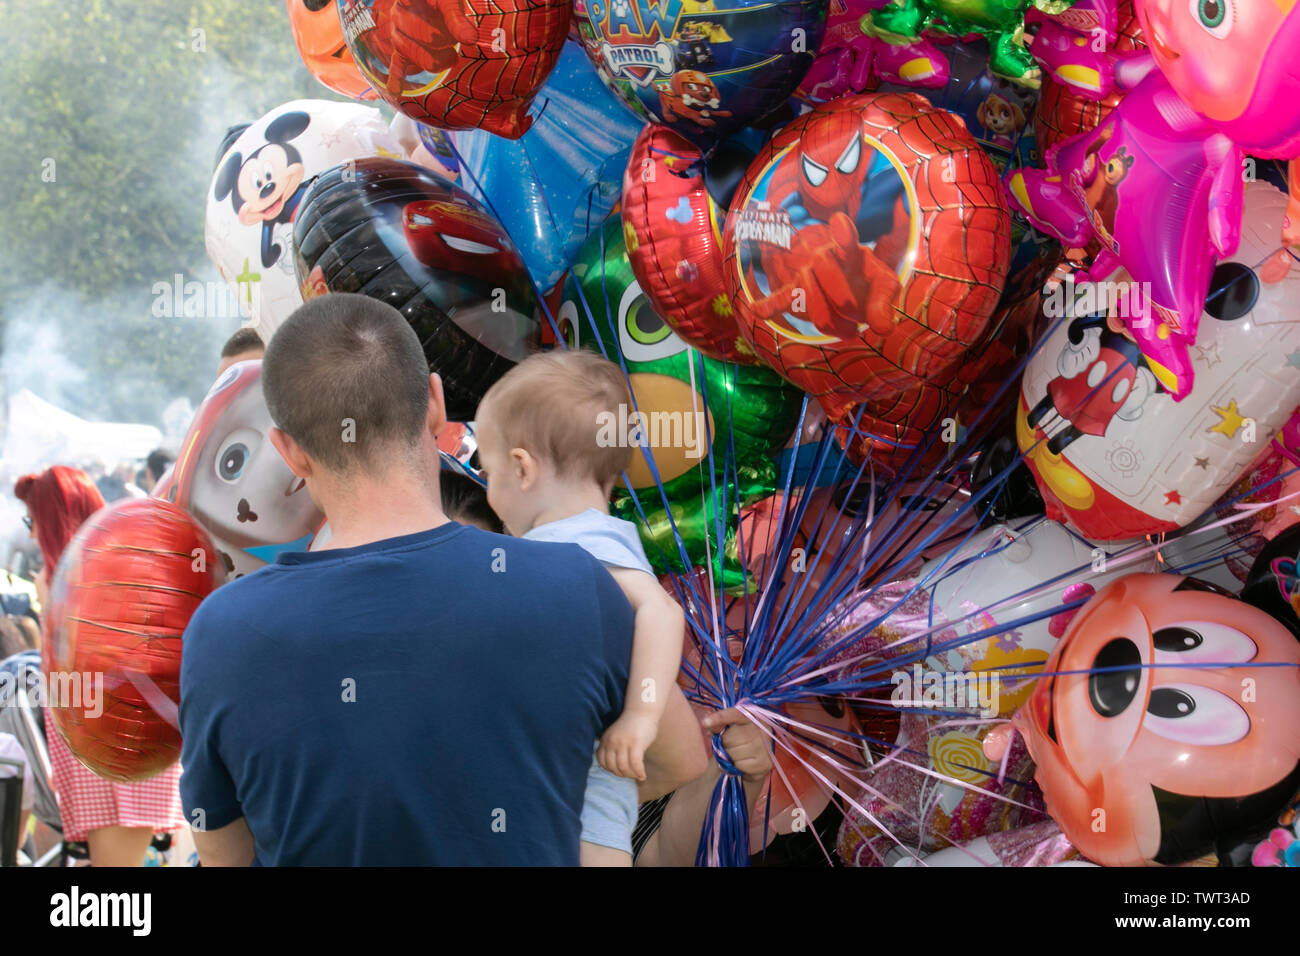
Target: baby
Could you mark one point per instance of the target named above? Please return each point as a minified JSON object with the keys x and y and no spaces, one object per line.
{"x":549,"y":479}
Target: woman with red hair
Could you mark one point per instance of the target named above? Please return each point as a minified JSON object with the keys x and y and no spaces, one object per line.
{"x":117,"y":820}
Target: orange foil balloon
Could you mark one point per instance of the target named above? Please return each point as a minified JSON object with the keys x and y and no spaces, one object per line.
{"x":458,"y":64}
{"x":673,"y":232}
{"x":1168,"y":725}
{"x":867,"y":247}
{"x":122,"y":596}
{"x":319,"y":37}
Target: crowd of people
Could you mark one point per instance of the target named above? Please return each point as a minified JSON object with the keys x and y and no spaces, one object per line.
{"x":457,"y":675}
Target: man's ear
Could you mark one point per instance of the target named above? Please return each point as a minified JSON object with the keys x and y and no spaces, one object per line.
{"x":291,"y":452}
{"x":437,"y":416}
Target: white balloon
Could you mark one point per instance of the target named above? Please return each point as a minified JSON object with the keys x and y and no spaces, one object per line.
{"x":257,"y":186}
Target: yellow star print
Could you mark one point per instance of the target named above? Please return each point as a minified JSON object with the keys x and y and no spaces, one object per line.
{"x":1230,"y":420}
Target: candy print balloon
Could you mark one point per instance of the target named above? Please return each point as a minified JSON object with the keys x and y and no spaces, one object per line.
{"x":701,"y":68}
{"x":402,"y":234}
{"x":1113,"y":454}
{"x":1004,"y":575}
{"x":457,"y":64}
{"x":866,"y":248}
{"x":229,"y":476}
{"x":672,"y":224}
{"x":122,"y":596}
{"x":259,"y":181}
{"x":1143,"y":719}
{"x":318,"y":34}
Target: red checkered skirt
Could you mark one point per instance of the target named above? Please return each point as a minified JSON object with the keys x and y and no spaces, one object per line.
{"x":88,"y":802}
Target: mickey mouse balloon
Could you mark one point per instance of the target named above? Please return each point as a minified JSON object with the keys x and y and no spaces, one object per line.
{"x":254,"y":195}
{"x":702,"y":68}
{"x":1112,"y":451}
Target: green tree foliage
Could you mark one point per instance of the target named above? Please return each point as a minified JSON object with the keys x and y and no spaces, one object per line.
{"x":112,"y":114}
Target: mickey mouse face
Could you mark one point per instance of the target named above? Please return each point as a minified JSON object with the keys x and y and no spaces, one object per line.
{"x":1149,"y":698}
{"x":266,"y":180}
{"x":260,"y":185}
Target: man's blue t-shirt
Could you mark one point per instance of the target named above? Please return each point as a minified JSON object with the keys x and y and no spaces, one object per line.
{"x":425,"y":700}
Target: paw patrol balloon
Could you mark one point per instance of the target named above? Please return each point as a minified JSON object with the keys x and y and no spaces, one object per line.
{"x":260,"y":179}
{"x":703,"y":68}
{"x":230,"y":477}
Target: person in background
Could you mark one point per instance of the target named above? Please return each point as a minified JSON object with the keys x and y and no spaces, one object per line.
{"x":244,"y":346}
{"x":117,"y":820}
{"x":18,"y":597}
{"x":125,"y":473}
{"x":156,"y":465}
{"x":464,"y":500}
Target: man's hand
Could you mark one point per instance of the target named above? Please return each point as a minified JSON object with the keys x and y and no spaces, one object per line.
{"x":748,"y":747}
{"x":623,"y":745}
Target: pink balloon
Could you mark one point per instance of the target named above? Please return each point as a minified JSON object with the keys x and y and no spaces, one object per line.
{"x":1161,"y":189}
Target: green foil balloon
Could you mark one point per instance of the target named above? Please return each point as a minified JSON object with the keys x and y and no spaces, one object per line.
{"x":712,"y":427}
{"x":1001,"y":22}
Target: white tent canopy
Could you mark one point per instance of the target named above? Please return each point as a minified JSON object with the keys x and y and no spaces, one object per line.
{"x":41,"y":434}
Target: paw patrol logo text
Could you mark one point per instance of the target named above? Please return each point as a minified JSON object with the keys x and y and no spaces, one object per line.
{"x":640,"y":64}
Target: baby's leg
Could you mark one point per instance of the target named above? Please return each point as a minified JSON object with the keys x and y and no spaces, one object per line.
{"x":594,"y":855}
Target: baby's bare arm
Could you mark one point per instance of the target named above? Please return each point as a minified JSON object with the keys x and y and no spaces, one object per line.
{"x":656,"y":643}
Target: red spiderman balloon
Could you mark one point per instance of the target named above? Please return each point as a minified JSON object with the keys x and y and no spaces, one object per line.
{"x":121,"y":598}
{"x":458,"y":64}
{"x":866,"y":248}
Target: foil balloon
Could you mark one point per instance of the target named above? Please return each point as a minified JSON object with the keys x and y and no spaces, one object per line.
{"x":1113,"y":454}
{"x":703,"y":71}
{"x":1038,"y":844}
{"x":712,"y":427}
{"x":229,"y":476}
{"x":122,"y":596}
{"x":1143,"y":724}
{"x":1161,"y":192}
{"x":259,"y":182}
{"x":555,"y":184}
{"x":1273,"y":584}
{"x":1234,"y":62}
{"x":850,"y":56}
{"x":1000,"y":22}
{"x":673,"y":208}
{"x":1072,"y":70}
{"x":399,"y":233}
{"x":457,"y":64}
{"x":866,"y":248}
{"x":1004,"y":576}
{"x":997,"y":112}
{"x":318,"y":34}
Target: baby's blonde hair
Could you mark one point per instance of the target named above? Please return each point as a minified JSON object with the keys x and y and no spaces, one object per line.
{"x":552,"y":405}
